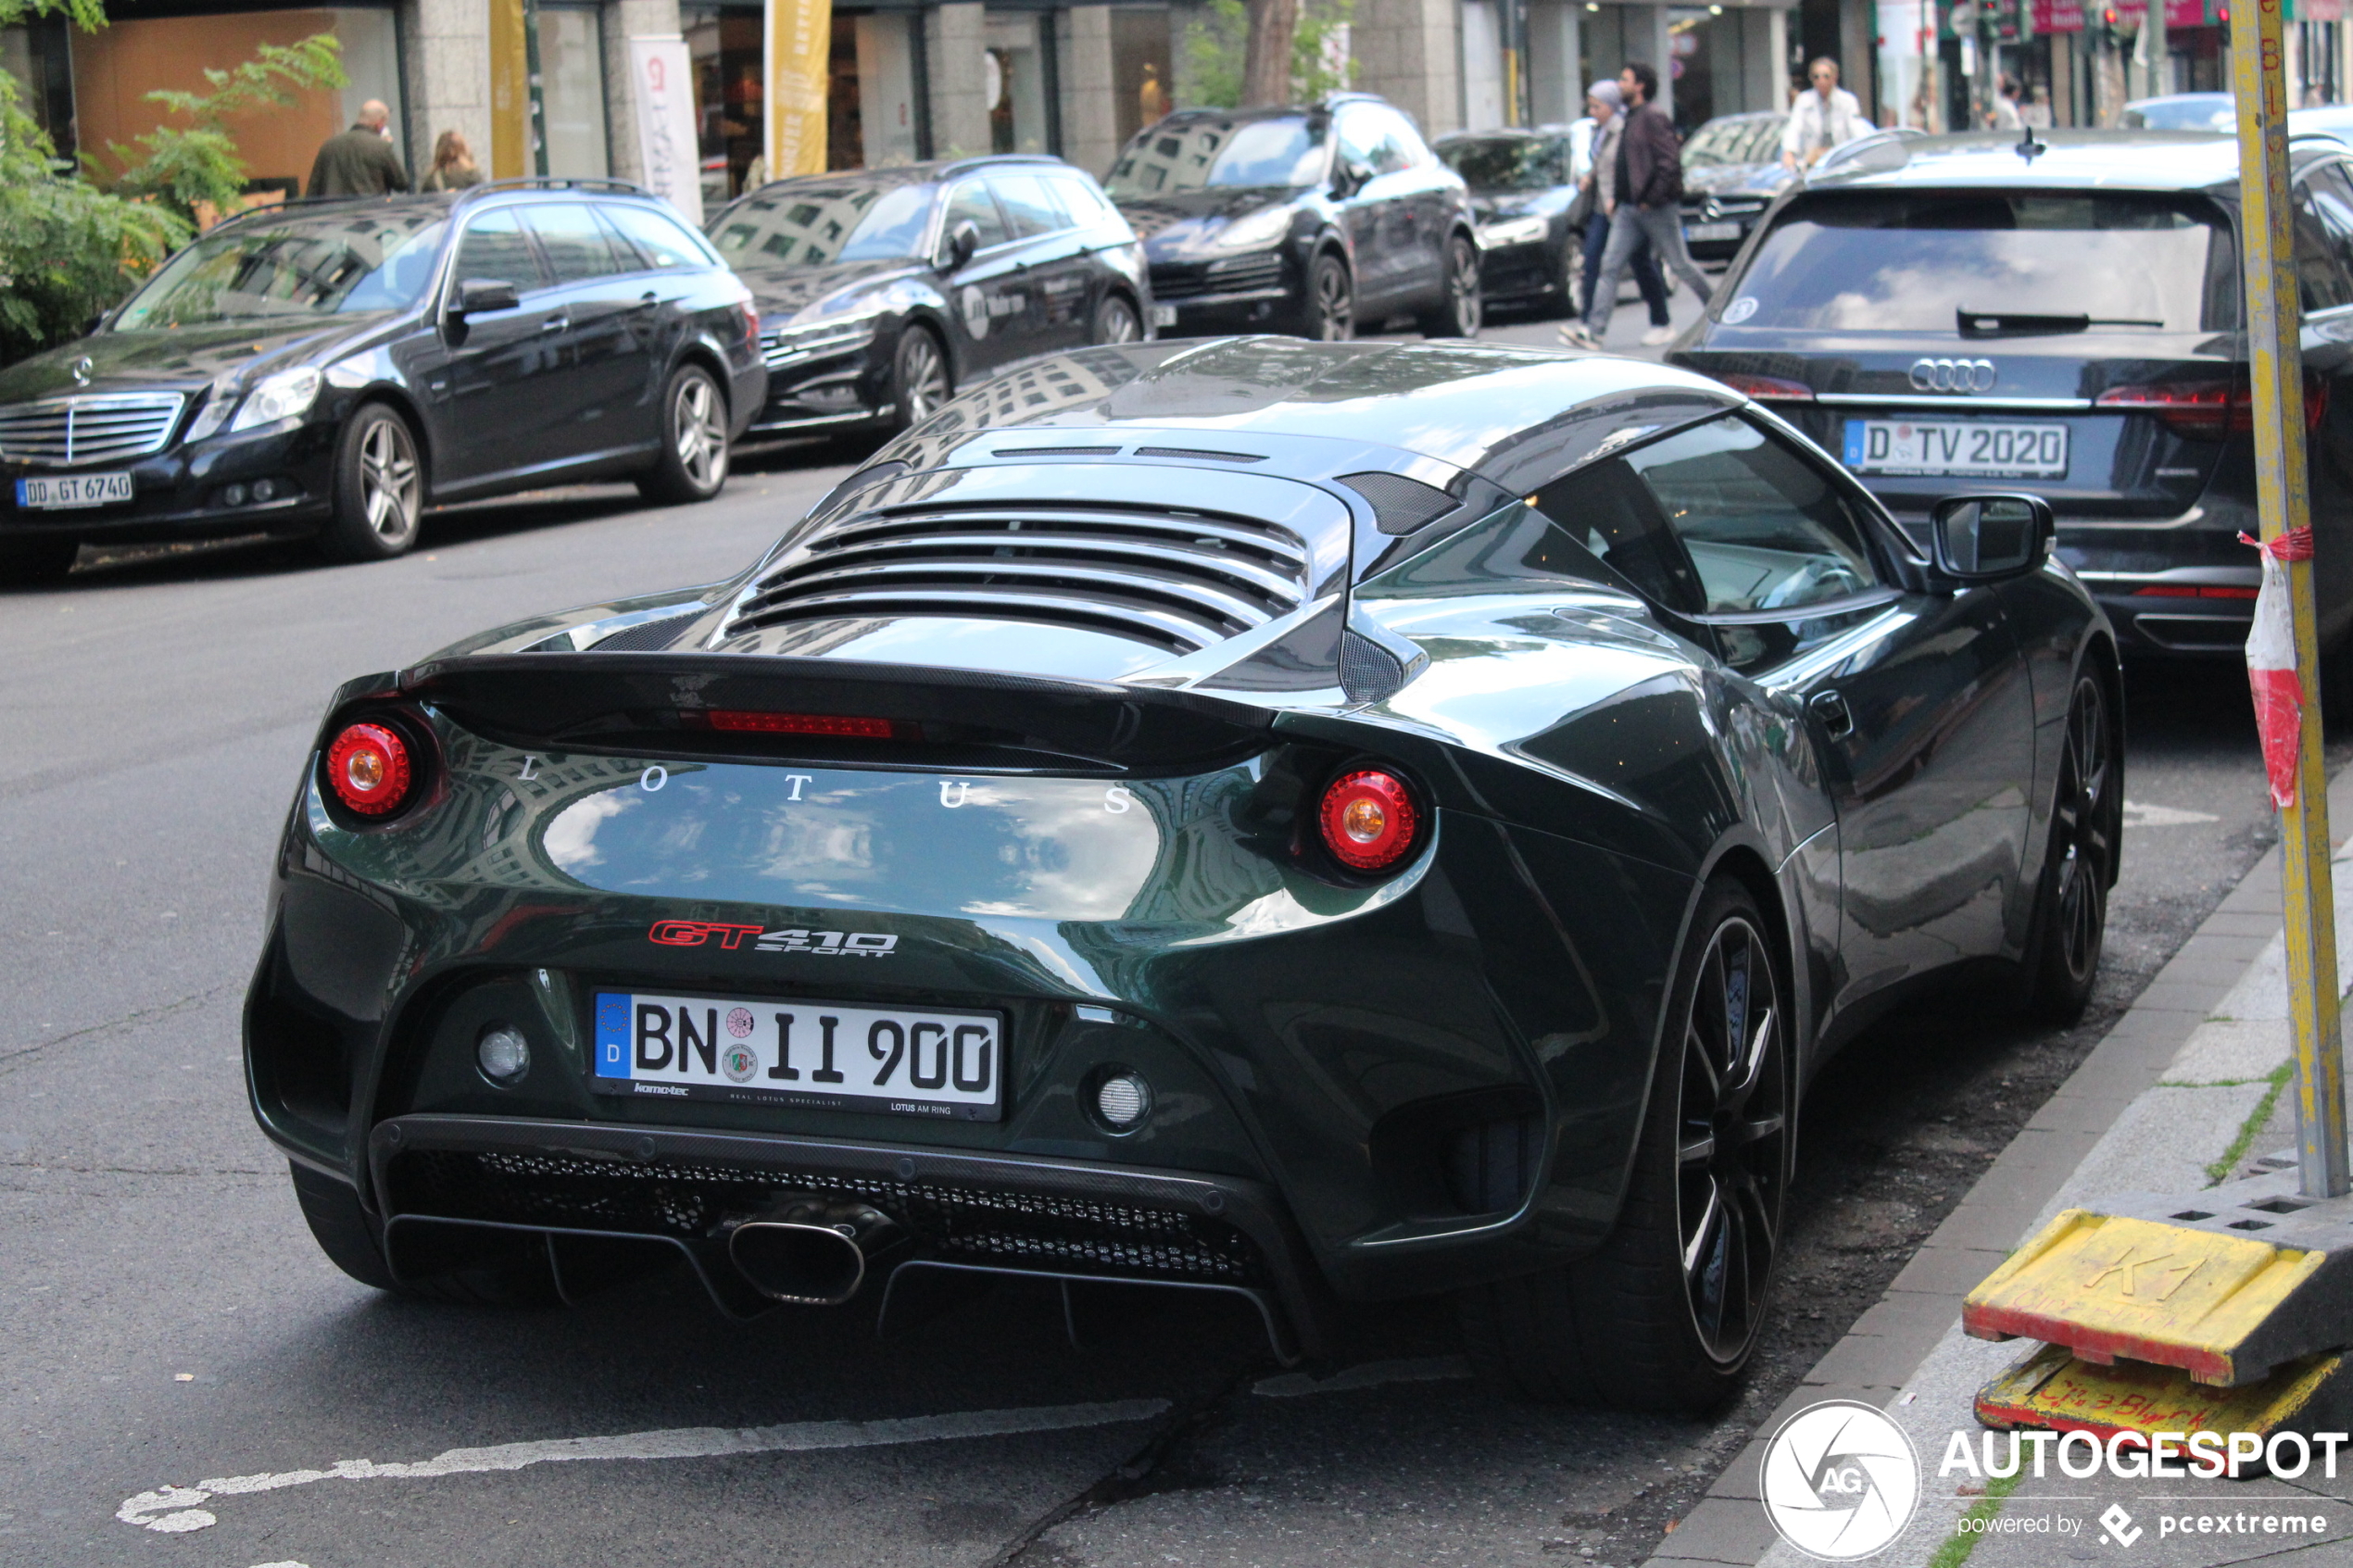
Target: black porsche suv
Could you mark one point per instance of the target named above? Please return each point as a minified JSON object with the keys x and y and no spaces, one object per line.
{"x":2061,"y":316}
{"x":331,"y":368}
{"x":1309,"y":220}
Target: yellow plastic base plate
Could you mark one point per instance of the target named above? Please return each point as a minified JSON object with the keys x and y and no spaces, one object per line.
{"x":2105,"y":1286}
{"x":2053,"y":1390}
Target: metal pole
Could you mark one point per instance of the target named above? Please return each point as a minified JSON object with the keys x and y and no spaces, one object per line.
{"x":537,"y":119}
{"x":2283,"y":500}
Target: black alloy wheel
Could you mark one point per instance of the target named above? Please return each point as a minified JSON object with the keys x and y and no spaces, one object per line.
{"x":2086,"y":824}
{"x":36,"y":560}
{"x":1664,"y":1315}
{"x":918,"y":378}
{"x":1458,"y":314}
{"x":691,"y":463}
{"x":1115,"y":321}
{"x":1331,"y":301}
{"x":379,"y":488}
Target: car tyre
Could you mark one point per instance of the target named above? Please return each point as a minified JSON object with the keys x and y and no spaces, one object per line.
{"x":1116,"y":321}
{"x":1666,"y":1314}
{"x":349,"y":1238}
{"x":692,"y":463}
{"x":2079,"y":866}
{"x":379,"y":492}
{"x":1458,"y":311}
{"x":25,"y":561}
{"x":1328,"y":314}
{"x":919,"y":382}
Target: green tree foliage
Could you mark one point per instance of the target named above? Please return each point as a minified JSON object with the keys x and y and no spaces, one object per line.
{"x":67,"y":250}
{"x":1216,"y":42}
{"x":194,"y":169}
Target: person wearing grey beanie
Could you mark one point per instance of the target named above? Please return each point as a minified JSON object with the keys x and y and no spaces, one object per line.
{"x":1606,"y":103}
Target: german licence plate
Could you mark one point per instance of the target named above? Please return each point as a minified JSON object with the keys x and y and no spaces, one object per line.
{"x":73,"y":490}
{"x":909,"y":1062}
{"x":1711,"y":230}
{"x":1163,"y":315}
{"x":1948,"y":446}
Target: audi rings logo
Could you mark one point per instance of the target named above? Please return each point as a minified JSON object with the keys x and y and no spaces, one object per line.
{"x":1953,"y":375}
{"x":1839,"y":1480}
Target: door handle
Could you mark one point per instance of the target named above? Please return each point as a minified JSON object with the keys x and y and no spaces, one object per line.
{"x":1831,"y":709}
{"x":647,"y":300}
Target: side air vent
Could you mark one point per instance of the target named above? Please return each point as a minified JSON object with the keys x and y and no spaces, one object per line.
{"x":1368,"y":671}
{"x":1180,"y":579}
{"x":1056,"y":452}
{"x":1200,"y":455}
{"x":1400,"y":505}
{"x":648,"y":636}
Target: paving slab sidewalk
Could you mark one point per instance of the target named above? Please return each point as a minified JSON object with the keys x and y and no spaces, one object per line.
{"x":2184,"y":1080}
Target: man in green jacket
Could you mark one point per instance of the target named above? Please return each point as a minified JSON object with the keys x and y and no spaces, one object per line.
{"x":358,"y":162}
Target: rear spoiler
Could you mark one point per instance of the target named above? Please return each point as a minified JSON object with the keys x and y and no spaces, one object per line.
{"x":670,"y":704}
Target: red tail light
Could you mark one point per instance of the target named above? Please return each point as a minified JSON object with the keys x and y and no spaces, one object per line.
{"x":2209,"y":411}
{"x":809,"y":724}
{"x":1368,"y":820}
{"x":1768,"y":389}
{"x":369,"y":770}
{"x":751,"y":320}
{"x":2191,"y":591}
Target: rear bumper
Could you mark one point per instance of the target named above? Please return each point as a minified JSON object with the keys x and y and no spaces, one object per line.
{"x":2169,"y":591}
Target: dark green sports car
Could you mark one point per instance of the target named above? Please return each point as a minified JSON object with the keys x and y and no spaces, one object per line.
{"x":1320,"y":822}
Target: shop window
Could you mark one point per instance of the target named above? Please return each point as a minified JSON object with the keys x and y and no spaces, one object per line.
{"x":571,"y":90}
{"x":1141,"y":56}
{"x":1014,"y":86}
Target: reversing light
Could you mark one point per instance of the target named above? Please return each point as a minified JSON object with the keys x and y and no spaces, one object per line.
{"x":369,"y":768}
{"x":1768,"y":389}
{"x":806,"y":724}
{"x":1368,"y":820}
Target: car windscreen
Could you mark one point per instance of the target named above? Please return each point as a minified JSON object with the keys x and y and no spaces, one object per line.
{"x":1192,"y":154}
{"x":810,"y":225}
{"x":1721,"y":141}
{"x":260,"y":270}
{"x":1913,"y":261}
{"x":1509,"y":163}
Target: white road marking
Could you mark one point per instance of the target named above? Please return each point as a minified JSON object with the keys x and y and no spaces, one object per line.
{"x":2139,"y":816}
{"x":172,"y":1511}
{"x":1430,"y":1369}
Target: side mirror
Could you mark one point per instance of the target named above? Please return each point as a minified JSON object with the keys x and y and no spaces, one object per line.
{"x":481,"y":296}
{"x":1350,"y":178}
{"x":1986,"y":538}
{"x":957,"y":248}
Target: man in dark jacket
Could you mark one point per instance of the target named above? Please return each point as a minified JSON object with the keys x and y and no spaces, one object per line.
{"x":358,"y":162}
{"x":1650,"y":205}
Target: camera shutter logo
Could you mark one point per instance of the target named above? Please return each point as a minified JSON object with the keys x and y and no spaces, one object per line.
{"x":1839,"y":1480}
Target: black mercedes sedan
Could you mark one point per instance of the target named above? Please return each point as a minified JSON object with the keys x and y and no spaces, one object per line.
{"x":2061,"y":314}
{"x":1311,"y":823}
{"x":883,"y":291}
{"x":1731,"y":172}
{"x":331,"y":369}
{"x":1523,"y":186}
{"x":1307,"y":220}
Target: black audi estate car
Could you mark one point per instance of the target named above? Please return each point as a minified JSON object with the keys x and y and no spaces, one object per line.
{"x":883,"y":291}
{"x":2062,"y":314}
{"x":333,"y":368}
{"x":1523,"y":186}
{"x":1303,"y":221}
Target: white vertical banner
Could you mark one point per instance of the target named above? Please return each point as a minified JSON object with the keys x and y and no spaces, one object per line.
{"x":660,"y":73}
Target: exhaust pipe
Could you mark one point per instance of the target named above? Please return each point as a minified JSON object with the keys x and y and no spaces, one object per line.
{"x":811,"y":1251}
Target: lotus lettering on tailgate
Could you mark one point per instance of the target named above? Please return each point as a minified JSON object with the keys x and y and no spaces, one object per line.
{"x":787,"y":940}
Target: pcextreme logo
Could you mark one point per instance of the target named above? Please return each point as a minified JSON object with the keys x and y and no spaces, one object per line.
{"x":1839,"y":1480}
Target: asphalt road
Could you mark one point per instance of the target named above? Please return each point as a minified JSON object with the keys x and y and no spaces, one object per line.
{"x":167,"y":1327}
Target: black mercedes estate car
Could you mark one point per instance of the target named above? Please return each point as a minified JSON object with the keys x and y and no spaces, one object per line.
{"x":1305,"y":221}
{"x":2062,"y":315}
{"x":1312,"y":823}
{"x":333,"y":368}
{"x":883,"y":291}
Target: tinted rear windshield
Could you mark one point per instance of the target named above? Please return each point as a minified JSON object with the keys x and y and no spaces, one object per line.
{"x":1904,"y":261}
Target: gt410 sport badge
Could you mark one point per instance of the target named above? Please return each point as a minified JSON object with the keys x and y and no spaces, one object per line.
{"x":785,"y":939}
{"x":1839,"y":1480}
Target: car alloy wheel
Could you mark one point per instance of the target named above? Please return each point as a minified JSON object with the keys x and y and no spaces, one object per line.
{"x":1115,"y":321}
{"x":1462,"y":288}
{"x":698,"y":432}
{"x":2073,"y":917}
{"x":388,"y":481}
{"x":1331,"y":303}
{"x":1731,"y":1152}
{"x":379,"y":491}
{"x":920,"y":375}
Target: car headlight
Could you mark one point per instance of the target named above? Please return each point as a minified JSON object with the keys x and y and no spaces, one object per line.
{"x":825,"y":335}
{"x":219,"y":404}
{"x":1513,"y":231}
{"x":1258,"y":229}
{"x":286,"y":395}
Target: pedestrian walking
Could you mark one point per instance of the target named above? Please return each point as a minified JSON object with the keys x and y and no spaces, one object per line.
{"x":2004,"y":115}
{"x":360,"y":162}
{"x":453,"y":165}
{"x":1824,"y":116}
{"x":1648,"y":171}
{"x":1598,"y":196}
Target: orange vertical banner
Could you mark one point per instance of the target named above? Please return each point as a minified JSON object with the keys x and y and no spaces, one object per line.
{"x":509,"y":92}
{"x":799,"y":48}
